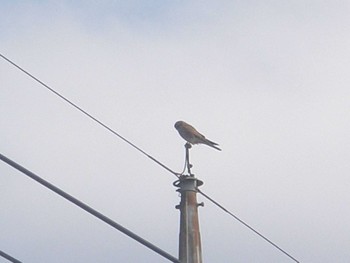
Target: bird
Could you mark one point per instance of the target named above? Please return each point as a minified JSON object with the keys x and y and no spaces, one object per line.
{"x":192,"y":136}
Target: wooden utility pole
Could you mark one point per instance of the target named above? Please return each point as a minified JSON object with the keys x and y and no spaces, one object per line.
{"x":190,"y":250}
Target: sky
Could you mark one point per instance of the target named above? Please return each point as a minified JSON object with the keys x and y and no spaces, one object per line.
{"x":267,"y":80}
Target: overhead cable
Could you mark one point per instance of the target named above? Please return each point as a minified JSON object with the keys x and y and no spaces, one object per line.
{"x":248,"y":226}
{"x":88,"y":209}
{"x":9,"y":258}
{"x":89,"y":115}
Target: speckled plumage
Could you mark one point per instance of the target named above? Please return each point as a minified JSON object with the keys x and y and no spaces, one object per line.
{"x":191,"y":135}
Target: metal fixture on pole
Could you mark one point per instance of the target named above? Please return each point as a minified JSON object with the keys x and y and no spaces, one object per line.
{"x":190,"y":250}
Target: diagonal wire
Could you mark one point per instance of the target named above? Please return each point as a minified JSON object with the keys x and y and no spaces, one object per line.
{"x":89,"y":115}
{"x":87,"y":209}
{"x":248,"y":226}
{"x":9,"y":258}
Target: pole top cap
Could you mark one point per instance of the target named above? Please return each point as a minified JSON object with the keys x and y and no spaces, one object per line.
{"x":188,"y":183}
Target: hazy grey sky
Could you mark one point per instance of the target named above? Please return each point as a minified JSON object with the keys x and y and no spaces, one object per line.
{"x":267,"y":80}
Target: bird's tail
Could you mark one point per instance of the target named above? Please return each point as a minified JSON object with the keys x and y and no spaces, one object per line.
{"x":211,"y":144}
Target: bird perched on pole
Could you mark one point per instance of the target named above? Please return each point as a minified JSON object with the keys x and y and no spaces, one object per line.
{"x":191,"y":135}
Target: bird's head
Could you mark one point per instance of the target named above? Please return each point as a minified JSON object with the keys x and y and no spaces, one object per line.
{"x":178,"y":124}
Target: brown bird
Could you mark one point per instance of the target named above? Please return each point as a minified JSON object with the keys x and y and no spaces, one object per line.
{"x":191,"y":135}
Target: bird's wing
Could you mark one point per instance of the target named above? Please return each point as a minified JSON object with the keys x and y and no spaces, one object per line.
{"x":211,"y":142}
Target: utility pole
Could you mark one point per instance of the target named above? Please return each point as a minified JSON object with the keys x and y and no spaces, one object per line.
{"x":190,"y":250}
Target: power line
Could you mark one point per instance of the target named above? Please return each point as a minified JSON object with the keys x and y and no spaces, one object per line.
{"x":9,"y":258}
{"x":89,"y":115}
{"x":248,"y":226}
{"x":88,"y":209}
